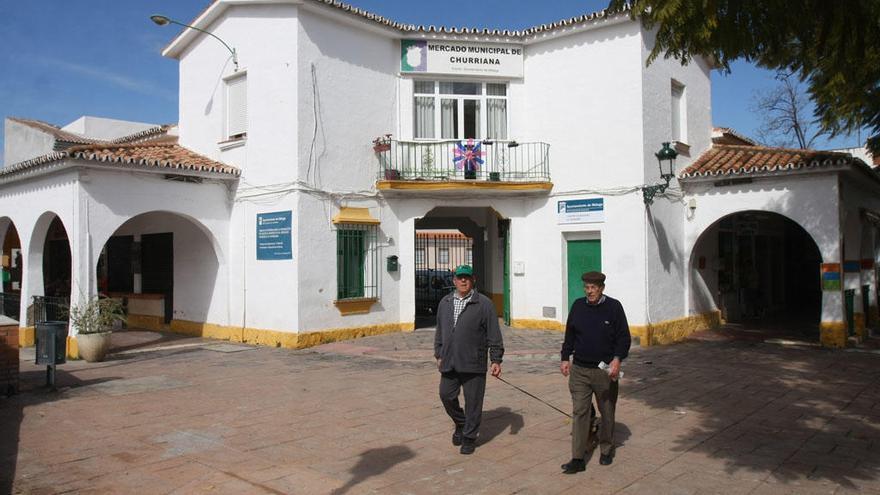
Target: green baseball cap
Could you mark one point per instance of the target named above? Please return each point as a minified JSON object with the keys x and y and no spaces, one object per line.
{"x":464,"y":270}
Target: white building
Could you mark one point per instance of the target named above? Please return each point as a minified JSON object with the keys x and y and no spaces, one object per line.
{"x":270,"y":213}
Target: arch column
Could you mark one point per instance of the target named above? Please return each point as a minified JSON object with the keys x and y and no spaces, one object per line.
{"x":83,"y":284}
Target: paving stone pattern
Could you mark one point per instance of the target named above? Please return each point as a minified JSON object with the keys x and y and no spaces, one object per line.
{"x":362,"y":416}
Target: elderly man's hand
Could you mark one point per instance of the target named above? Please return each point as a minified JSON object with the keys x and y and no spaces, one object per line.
{"x":614,"y":370}
{"x":565,"y":368}
{"x":495,"y":369}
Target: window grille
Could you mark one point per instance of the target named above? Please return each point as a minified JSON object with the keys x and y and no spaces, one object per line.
{"x":357,"y":261}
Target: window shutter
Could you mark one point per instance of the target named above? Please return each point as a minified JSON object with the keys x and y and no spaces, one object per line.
{"x":236,"y":107}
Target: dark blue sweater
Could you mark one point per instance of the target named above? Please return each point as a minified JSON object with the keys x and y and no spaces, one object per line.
{"x":596,"y":332}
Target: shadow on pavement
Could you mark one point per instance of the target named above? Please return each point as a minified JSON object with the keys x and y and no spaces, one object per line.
{"x":374,"y":462}
{"x":784,"y":412}
{"x":12,"y":408}
{"x":496,"y":421}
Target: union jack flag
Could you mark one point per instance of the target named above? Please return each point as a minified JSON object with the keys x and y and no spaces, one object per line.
{"x":468,"y":156}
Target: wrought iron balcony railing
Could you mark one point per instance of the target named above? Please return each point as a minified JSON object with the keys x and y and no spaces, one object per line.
{"x":506,"y":161}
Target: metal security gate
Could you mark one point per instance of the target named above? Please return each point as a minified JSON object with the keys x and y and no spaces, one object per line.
{"x":437,"y":253}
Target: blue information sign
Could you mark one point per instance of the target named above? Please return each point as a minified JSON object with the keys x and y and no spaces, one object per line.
{"x":581,"y":210}
{"x":273,"y":236}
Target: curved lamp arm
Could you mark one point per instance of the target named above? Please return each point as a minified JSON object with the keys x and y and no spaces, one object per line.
{"x":162,"y":20}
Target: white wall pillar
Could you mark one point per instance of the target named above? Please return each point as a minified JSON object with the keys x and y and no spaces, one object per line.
{"x":83,"y":283}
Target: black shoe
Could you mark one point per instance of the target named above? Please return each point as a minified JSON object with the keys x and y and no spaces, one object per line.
{"x":606,"y":459}
{"x":456,"y":436}
{"x":574,"y":466}
{"x":468,"y":446}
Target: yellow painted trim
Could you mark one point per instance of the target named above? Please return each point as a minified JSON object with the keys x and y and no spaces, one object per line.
{"x":354,"y":306}
{"x":147,"y":322}
{"x":289,"y":340}
{"x":674,"y":330}
{"x":860,"y":331}
{"x":832,"y":334}
{"x":27,"y":336}
{"x":498,"y":302}
{"x":534,"y":324}
{"x":72,"y":347}
{"x":348,"y":214}
{"x":447,"y":185}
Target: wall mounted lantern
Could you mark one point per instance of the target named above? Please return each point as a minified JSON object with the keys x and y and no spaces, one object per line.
{"x":162,"y":20}
{"x":666,"y":160}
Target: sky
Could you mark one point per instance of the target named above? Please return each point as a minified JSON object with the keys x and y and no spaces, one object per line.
{"x":62,"y":59}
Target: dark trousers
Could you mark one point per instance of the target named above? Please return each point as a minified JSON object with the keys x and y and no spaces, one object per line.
{"x":474,"y":385}
{"x":583,"y":383}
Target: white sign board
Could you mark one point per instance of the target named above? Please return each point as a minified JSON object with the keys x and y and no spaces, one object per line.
{"x":460,"y":58}
{"x":580,"y":211}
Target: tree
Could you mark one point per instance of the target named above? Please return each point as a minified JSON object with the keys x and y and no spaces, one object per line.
{"x":833,"y":46}
{"x":785,"y":115}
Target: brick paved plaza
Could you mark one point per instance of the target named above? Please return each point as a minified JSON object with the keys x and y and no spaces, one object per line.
{"x":180,"y":415}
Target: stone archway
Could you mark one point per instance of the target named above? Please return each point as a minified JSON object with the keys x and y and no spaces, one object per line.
{"x":760,"y":269}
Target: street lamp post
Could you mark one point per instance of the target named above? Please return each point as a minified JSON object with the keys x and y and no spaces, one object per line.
{"x":666,"y":156}
{"x":162,"y":20}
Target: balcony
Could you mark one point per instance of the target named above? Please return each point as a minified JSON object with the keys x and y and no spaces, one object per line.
{"x":454,"y":165}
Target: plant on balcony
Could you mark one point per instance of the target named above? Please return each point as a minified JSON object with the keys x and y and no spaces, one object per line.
{"x":428,"y":162}
{"x":94,"y":320}
{"x":382,"y":143}
{"x":382,"y":148}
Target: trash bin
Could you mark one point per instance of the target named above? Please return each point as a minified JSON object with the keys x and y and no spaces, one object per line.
{"x":51,"y":342}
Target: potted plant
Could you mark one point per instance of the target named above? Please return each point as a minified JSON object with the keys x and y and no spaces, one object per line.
{"x":94,"y":320}
{"x":382,"y":148}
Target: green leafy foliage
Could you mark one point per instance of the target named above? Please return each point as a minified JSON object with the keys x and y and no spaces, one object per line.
{"x":831,"y":45}
{"x":96,"y":315}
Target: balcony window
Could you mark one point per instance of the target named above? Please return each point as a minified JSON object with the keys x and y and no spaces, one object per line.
{"x":468,"y":110}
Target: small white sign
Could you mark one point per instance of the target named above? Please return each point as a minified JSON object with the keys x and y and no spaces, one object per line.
{"x":580,"y":211}
{"x":519,"y":267}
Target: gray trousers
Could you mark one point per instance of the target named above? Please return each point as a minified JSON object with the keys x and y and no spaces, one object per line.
{"x":474,"y":385}
{"x":583,"y":383}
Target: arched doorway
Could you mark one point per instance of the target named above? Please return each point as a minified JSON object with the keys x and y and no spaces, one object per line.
{"x":11,"y":269}
{"x":450,"y":236}
{"x":761,"y":270}
{"x":164,"y":267}
{"x":50,"y":285}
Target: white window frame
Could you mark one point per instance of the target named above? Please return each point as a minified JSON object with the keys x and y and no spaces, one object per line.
{"x":228,"y":82}
{"x":482,"y":98}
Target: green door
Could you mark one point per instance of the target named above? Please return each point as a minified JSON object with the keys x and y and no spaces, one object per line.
{"x":505,"y":228}
{"x":583,"y":256}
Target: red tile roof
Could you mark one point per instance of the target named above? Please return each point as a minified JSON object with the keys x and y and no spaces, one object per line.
{"x":732,"y":160}
{"x":151,"y":155}
{"x":726,"y":135}
{"x":412,"y":28}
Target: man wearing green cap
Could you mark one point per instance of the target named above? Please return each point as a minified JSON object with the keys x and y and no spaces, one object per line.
{"x":467,"y":329}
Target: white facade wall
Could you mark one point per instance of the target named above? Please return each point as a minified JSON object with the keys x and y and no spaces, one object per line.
{"x":104,"y":128}
{"x":23,"y":142}
{"x":666,"y":262}
{"x":811,"y":200}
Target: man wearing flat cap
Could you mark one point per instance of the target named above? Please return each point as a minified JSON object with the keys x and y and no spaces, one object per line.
{"x":596,"y":333}
{"x":467,"y":329}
